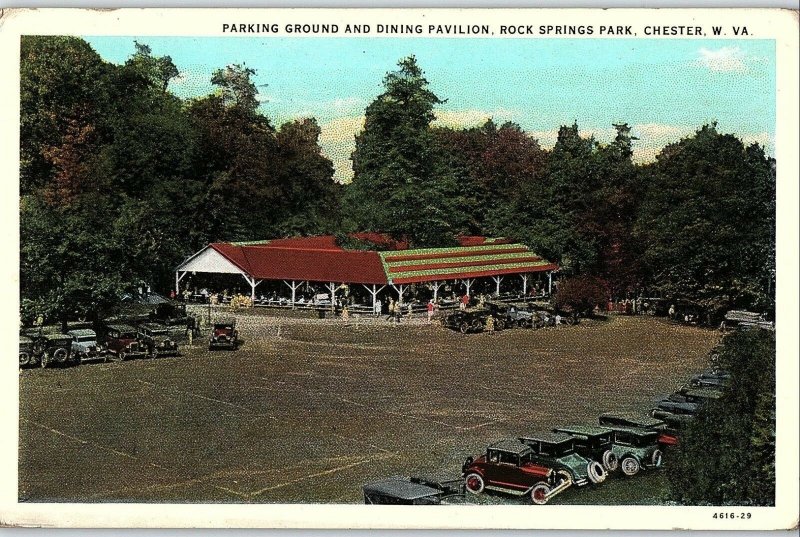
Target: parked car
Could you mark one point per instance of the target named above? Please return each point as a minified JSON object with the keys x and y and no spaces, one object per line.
{"x":636,"y":449}
{"x":53,"y":349}
{"x":157,"y":340}
{"x":593,"y":443}
{"x":224,"y":335}
{"x":557,"y":450}
{"x":85,"y":346}
{"x":668,"y":430}
{"x":747,"y":320}
{"x":713,"y":378}
{"x":508,"y":467}
{"x":468,"y":321}
{"x":400,"y":491}
{"x":122,"y":343}
{"x":26,"y":354}
{"x":169,"y":313}
{"x":510,"y":315}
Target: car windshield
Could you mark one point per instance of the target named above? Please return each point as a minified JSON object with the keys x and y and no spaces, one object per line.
{"x":86,"y":339}
{"x":127,"y":335}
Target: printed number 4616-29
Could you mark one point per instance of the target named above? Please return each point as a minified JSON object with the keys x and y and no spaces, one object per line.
{"x":731,"y":514}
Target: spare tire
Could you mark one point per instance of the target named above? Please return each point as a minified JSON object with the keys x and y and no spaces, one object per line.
{"x":610,"y":461}
{"x":597,"y":473}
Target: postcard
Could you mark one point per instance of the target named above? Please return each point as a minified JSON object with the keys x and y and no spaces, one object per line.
{"x":400,"y":268}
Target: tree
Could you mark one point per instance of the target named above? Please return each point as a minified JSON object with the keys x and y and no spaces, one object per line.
{"x":581,"y":294}
{"x":236,"y":87}
{"x":726,"y":455}
{"x":708,"y":221}
{"x":157,"y":70}
{"x":402,"y":184}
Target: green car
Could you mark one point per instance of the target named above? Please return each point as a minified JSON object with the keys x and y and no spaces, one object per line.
{"x":557,"y":451}
{"x":636,"y":449}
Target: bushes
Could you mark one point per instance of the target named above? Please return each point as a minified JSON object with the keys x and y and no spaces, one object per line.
{"x":580,"y":294}
{"x":727,"y":453}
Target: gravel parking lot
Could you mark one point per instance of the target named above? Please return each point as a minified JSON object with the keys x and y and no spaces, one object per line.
{"x":308,"y":410}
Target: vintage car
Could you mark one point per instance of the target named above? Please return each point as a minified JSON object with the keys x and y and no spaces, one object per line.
{"x":400,"y":491}
{"x":26,"y":354}
{"x":668,"y":429}
{"x":686,"y":401}
{"x":53,"y":349}
{"x":122,"y":343}
{"x":636,"y":449}
{"x":508,"y":467}
{"x":593,"y":443}
{"x":747,"y":320}
{"x":468,"y":321}
{"x":557,"y":450}
{"x":510,"y":315}
{"x":224,"y":335}
{"x":156,"y":340}
{"x":85,"y":346}
{"x":169,"y":313}
{"x":713,"y":378}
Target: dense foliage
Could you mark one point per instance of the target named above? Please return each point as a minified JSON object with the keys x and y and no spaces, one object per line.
{"x":121,"y":179}
{"x":726,"y":455}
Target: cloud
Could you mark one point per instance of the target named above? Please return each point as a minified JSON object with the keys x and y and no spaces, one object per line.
{"x":723,"y":60}
{"x":471,"y":118}
{"x":337,"y":139}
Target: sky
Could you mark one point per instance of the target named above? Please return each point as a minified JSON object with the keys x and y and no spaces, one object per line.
{"x":665,"y":89}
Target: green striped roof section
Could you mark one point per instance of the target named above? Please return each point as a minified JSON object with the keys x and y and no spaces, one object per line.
{"x":457,"y":270}
{"x":454,"y":249}
{"x":251,"y":243}
{"x":463,"y":259}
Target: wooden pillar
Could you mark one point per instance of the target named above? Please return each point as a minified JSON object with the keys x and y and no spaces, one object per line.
{"x":374,"y":292}
{"x":468,"y":283}
{"x":332,"y":289}
{"x":178,"y":277}
{"x":524,"y":284}
{"x":497,"y":280}
{"x":550,"y":283}
{"x":294,"y":286}
{"x":436,"y":285}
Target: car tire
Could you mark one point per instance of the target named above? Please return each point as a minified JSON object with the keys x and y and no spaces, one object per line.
{"x":596,"y":472}
{"x":473,"y":483}
{"x":610,"y":461}
{"x":23,"y":359}
{"x":463,"y":328}
{"x":539,"y":493}
{"x":122,"y":356}
{"x":45,"y":360}
{"x":60,"y":355}
{"x":657,"y":459}
{"x":630,"y":466}
{"x":499,"y":325}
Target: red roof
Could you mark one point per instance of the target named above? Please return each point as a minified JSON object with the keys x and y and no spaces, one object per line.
{"x":321,"y":259}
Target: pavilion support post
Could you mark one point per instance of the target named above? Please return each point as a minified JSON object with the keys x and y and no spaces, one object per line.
{"x":497,"y":280}
{"x":294,"y":286}
{"x":332,"y":289}
{"x":253,"y":283}
{"x":524,"y":284}
{"x":436,"y":285}
{"x":401,"y":289}
{"x":178,"y":277}
{"x":374,"y":292}
{"x":468,"y":284}
{"x":550,"y":283}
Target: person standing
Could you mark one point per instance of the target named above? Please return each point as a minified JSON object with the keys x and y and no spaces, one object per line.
{"x":430,"y":308}
{"x":378,"y":307}
{"x":391,"y":309}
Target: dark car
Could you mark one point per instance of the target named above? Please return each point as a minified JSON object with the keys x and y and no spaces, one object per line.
{"x":400,"y":491}
{"x":52,"y":348}
{"x":157,"y":340}
{"x":468,"y":321}
{"x":508,"y":467}
{"x":668,"y":429}
{"x":224,"y":335}
{"x":122,"y":342}
{"x":510,"y":315}
{"x":636,"y":449}
{"x":593,"y":443}
{"x":26,"y":354}
{"x":557,"y":450}
{"x":169,"y":313}
{"x":713,"y":378}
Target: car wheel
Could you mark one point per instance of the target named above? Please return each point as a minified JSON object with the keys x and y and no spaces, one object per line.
{"x":23,"y":359}
{"x":474,"y":483}
{"x":122,"y":355}
{"x":499,"y":325}
{"x":44,"y":361}
{"x":60,"y":355}
{"x":610,"y":461}
{"x":463,"y":328}
{"x":630,"y":466}
{"x":596,"y":472}
{"x":539,"y":493}
{"x":657,"y":459}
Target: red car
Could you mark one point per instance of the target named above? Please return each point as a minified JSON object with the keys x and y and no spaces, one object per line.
{"x":224,"y":335}
{"x":507,"y":467}
{"x":121,"y":342}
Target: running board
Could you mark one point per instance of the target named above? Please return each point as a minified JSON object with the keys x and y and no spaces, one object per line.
{"x":515,"y":492}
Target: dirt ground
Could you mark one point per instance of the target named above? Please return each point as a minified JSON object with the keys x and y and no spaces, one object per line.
{"x":308,"y":410}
